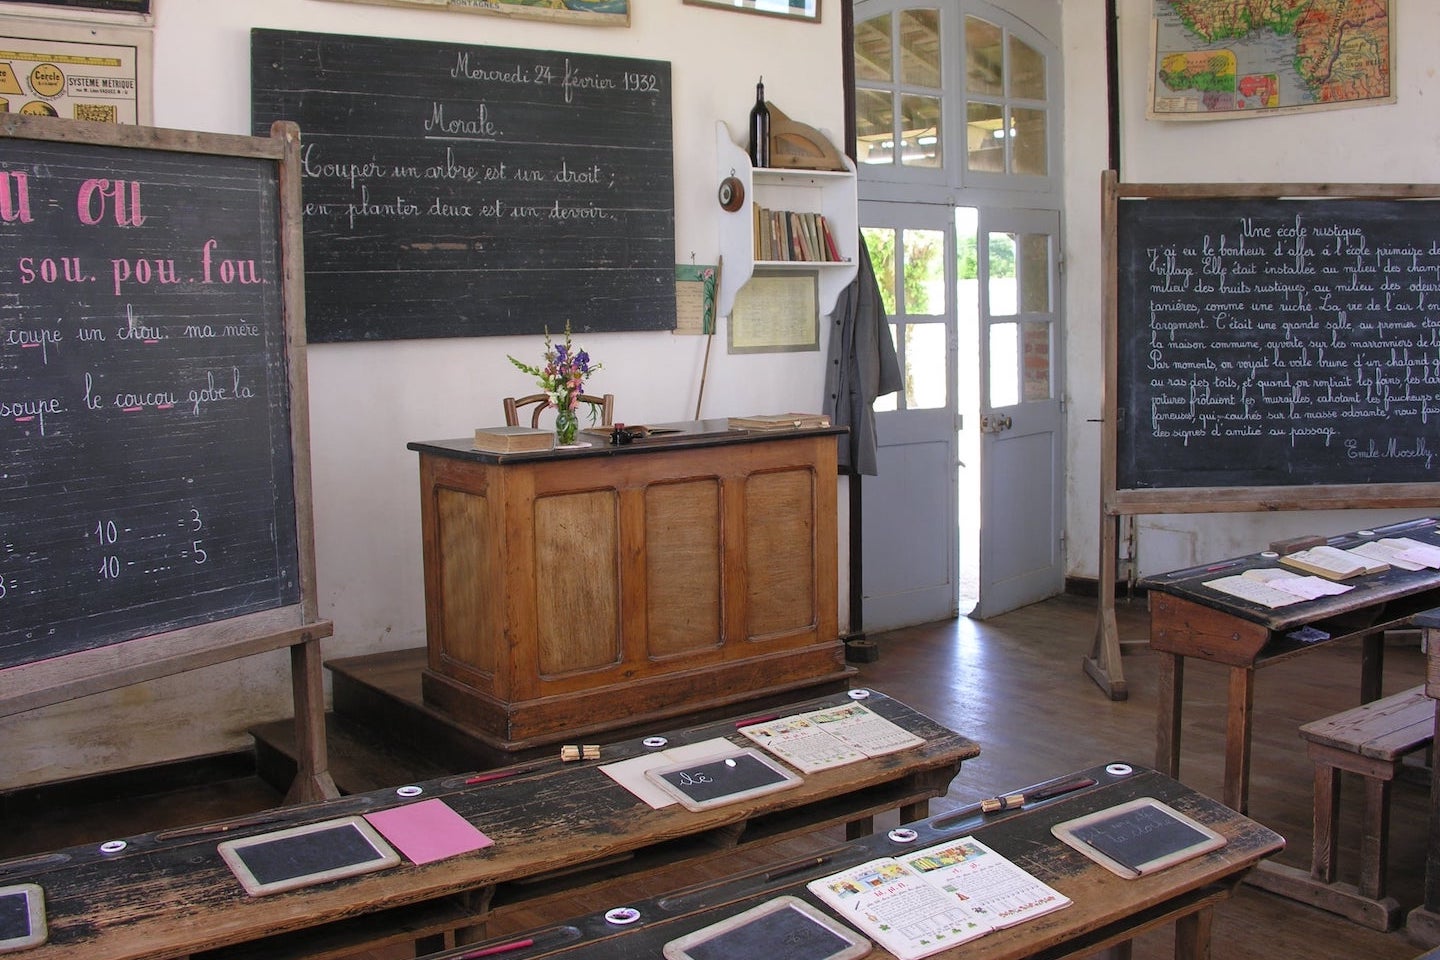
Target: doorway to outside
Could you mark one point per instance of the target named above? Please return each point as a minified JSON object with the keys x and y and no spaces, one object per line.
{"x":970,"y":296}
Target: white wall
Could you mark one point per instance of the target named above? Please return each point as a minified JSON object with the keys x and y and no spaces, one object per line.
{"x":368,"y":400}
{"x":1397,"y":143}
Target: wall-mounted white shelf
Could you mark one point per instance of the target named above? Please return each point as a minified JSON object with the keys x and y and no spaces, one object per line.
{"x":830,"y":192}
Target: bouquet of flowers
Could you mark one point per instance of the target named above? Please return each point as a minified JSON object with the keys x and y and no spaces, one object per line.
{"x":562,"y":378}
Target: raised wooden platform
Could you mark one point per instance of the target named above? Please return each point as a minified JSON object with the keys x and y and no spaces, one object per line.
{"x":382,"y":733}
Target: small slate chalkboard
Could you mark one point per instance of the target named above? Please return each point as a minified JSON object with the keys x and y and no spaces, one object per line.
{"x":722,"y":779}
{"x":22,"y":917}
{"x":786,"y":928}
{"x":1138,"y":837}
{"x":305,"y":855}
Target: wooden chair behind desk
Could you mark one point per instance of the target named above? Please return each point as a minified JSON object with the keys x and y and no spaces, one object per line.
{"x":604,"y":404}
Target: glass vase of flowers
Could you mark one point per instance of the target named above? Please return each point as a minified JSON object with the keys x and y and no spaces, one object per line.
{"x":562,"y":378}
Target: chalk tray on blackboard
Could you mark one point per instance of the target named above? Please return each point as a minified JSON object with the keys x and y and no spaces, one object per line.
{"x":722,"y":779}
{"x":22,"y":917}
{"x":1138,"y":837}
{"x":305,"y":855}
{"x":786,"y":928}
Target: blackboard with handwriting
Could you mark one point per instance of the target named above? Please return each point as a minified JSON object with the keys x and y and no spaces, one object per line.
{"x":455,"y":190}
{"x":1276,"y":342}
{"x":146,"y":465}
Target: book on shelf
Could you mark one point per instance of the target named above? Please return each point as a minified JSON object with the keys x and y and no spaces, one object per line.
{"x":933,"y":899}
{"x":830,"y":737}
{"x":1333,"y":563}
{"x":780,"y":421}
{"x":798,"y":236}
{"x":513,"y":439}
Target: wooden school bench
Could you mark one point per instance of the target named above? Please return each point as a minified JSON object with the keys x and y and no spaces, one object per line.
{"x":556,"y":827}
{"x":1371,"y":741}
{"x":1107,"y":911}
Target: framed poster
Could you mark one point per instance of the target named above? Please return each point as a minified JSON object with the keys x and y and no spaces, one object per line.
{"x":603,"y":13}
{"x":110,"y":6}
{"x":791,"y":9}
{"x":75,"y":71}
{"x":776,"y":311}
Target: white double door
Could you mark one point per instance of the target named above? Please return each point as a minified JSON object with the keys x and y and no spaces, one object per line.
{"x":966,"y":512}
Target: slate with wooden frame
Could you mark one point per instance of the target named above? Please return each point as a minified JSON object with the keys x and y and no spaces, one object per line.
{"x":156,"y":499}
{"x":790,"y":9}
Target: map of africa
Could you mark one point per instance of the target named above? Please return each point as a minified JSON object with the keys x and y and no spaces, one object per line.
{"x":1216,"y":59}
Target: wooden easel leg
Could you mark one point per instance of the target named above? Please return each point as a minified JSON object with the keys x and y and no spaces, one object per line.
{"x":1103,"y":665}
{"x":307,"y":681}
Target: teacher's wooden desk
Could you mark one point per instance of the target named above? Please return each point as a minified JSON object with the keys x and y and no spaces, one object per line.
{"x":550,"y":823}
{"x":1189,"y":619}
{"x":1106,"y":910}
{"x":590,"y":589}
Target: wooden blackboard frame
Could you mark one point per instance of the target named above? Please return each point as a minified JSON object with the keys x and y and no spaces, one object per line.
{"x":1104,"y":664}
{"x":296,"y":626}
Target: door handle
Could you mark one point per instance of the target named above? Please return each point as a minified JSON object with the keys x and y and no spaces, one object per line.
{"x":991,"y":423}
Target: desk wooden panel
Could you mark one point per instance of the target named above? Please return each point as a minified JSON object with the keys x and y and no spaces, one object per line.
{"x":590,"y":589}
{"x":163,"y":899}
{"x":1189,"y":619}
{"x":1107,"y":910}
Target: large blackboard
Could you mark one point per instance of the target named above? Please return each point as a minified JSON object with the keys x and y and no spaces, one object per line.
{"x":1265,"y":342}
{"x":455,"y":190}
{"x":145,"y":435}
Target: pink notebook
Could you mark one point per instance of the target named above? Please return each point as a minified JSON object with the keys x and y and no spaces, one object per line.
{"x":428,"y":830}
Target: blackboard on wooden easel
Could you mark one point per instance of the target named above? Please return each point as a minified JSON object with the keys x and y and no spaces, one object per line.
{"x":455,"y":190}
{"x":1267,"y":347}
{"x":155,"y":499}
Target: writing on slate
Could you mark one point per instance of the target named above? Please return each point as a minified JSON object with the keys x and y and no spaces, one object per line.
{"x":144,"y":408}
{"x":456,"y":190}
{"x":1278,"y":342}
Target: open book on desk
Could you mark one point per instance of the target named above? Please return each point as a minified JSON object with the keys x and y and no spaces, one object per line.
{"x":830,"y":737}
{"x":932,"y":899}
{"x":1334,"y":563}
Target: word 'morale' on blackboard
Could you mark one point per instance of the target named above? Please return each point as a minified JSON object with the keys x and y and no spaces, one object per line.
{"x":22,"y":917}
{"x":455,"y":190}
{"x":1277,"y":342}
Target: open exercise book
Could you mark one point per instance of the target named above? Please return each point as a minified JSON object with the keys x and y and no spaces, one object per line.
{"x":830,"y":737}
{"x":935,"y":898}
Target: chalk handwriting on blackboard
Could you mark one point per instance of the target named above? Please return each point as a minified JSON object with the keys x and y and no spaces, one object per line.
{"x":466,"y":190}
{"x":1278,"y":342}
{"x":144,"y":422}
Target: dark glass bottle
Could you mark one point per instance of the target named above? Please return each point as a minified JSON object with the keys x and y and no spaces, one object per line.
{"x":760,"y":128}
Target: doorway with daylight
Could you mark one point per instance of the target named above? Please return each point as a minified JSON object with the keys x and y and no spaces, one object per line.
{"x":957,"y":125}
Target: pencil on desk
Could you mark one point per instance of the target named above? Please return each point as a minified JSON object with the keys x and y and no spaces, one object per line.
{"x":498,"y":948}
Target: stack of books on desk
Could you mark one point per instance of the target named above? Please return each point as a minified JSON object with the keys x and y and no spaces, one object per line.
{"x":780,"y":421}
{"x":513,"y":439}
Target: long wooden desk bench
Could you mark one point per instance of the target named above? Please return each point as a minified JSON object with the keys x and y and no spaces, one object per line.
{"x":1107,"y":911}
{"x":165,"y":898}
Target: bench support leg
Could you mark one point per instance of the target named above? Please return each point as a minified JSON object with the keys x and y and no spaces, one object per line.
{"x":1327,"y":822}
{"x":1192,"y":935}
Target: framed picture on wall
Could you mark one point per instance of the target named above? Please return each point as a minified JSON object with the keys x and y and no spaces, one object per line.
{"x":111,"y":6}
{"x":603,"y":13}
{"x":791,"y":9}
{"x":775,"y":312}
{"x":76,"y":71}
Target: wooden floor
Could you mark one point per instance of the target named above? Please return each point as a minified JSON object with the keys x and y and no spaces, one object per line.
{"x":1015,"y":685}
